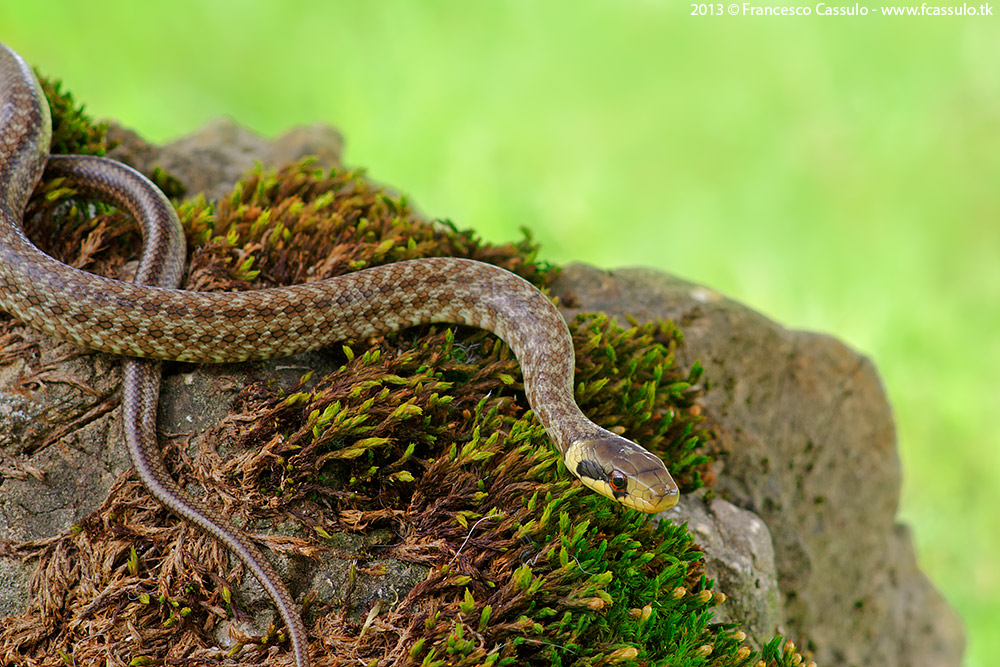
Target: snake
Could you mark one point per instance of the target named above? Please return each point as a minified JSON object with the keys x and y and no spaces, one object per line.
{"x":151,"y":319}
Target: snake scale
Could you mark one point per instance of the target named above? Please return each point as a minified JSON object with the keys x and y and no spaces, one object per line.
{"x":151,"y":321}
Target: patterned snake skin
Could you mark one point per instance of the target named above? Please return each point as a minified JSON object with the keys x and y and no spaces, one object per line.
{"x":160,"y":322}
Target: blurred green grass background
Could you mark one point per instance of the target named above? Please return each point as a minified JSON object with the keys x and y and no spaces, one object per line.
{"x":838,"y":174}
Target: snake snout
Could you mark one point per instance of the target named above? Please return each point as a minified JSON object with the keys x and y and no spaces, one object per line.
{"x":661,"y":496}
{"x":654,"y":488}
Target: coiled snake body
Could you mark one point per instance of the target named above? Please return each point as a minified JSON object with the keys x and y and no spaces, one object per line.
{"x":157,"y":321}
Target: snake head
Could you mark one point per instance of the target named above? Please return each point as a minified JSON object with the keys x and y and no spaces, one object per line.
{"x":620,"y":469}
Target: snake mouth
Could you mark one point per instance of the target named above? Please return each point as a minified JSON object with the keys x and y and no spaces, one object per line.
{"x":658,"y":498}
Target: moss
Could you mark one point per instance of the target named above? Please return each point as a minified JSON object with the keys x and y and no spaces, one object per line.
{"x":73,"y":131}
{"x":529,"y":561}
{"x":426,"y":433}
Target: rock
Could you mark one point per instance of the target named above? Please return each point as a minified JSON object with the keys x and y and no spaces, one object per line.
{"x":808,"y":444}
{"x":56,"y":387}
{"x":802,"y":537}
{"x":215,"y":157}
{"x":739,"y":556}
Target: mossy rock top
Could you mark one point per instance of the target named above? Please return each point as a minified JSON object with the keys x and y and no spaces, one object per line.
{"x":419,"y":444}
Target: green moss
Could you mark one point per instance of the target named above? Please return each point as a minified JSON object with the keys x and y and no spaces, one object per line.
{"x":561,"y":575}
{"x":73,"y":131}
{"x":425,"y":433}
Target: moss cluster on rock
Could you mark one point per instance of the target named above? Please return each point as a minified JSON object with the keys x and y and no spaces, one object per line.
{"x":424,"y":434}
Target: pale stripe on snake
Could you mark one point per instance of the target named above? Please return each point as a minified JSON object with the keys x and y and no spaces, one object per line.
{"x":159,"y":322}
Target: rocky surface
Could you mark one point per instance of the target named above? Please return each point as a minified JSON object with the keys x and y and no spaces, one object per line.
{"x":214,"y":158}
{"x":801,"y":533}
{"x":809,"y":446}
{"x":739,"y":554}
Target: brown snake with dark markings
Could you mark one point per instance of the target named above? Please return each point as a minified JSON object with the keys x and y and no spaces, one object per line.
{"x":158,"y":321}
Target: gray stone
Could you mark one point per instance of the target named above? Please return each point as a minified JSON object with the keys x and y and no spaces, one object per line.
{"x":215,"y":157}
{"x":806,"y":447}
{"x":808,"y":444}
{"x":739,"y":556}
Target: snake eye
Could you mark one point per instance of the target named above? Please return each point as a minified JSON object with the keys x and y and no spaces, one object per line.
{"x":618,"y":481}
